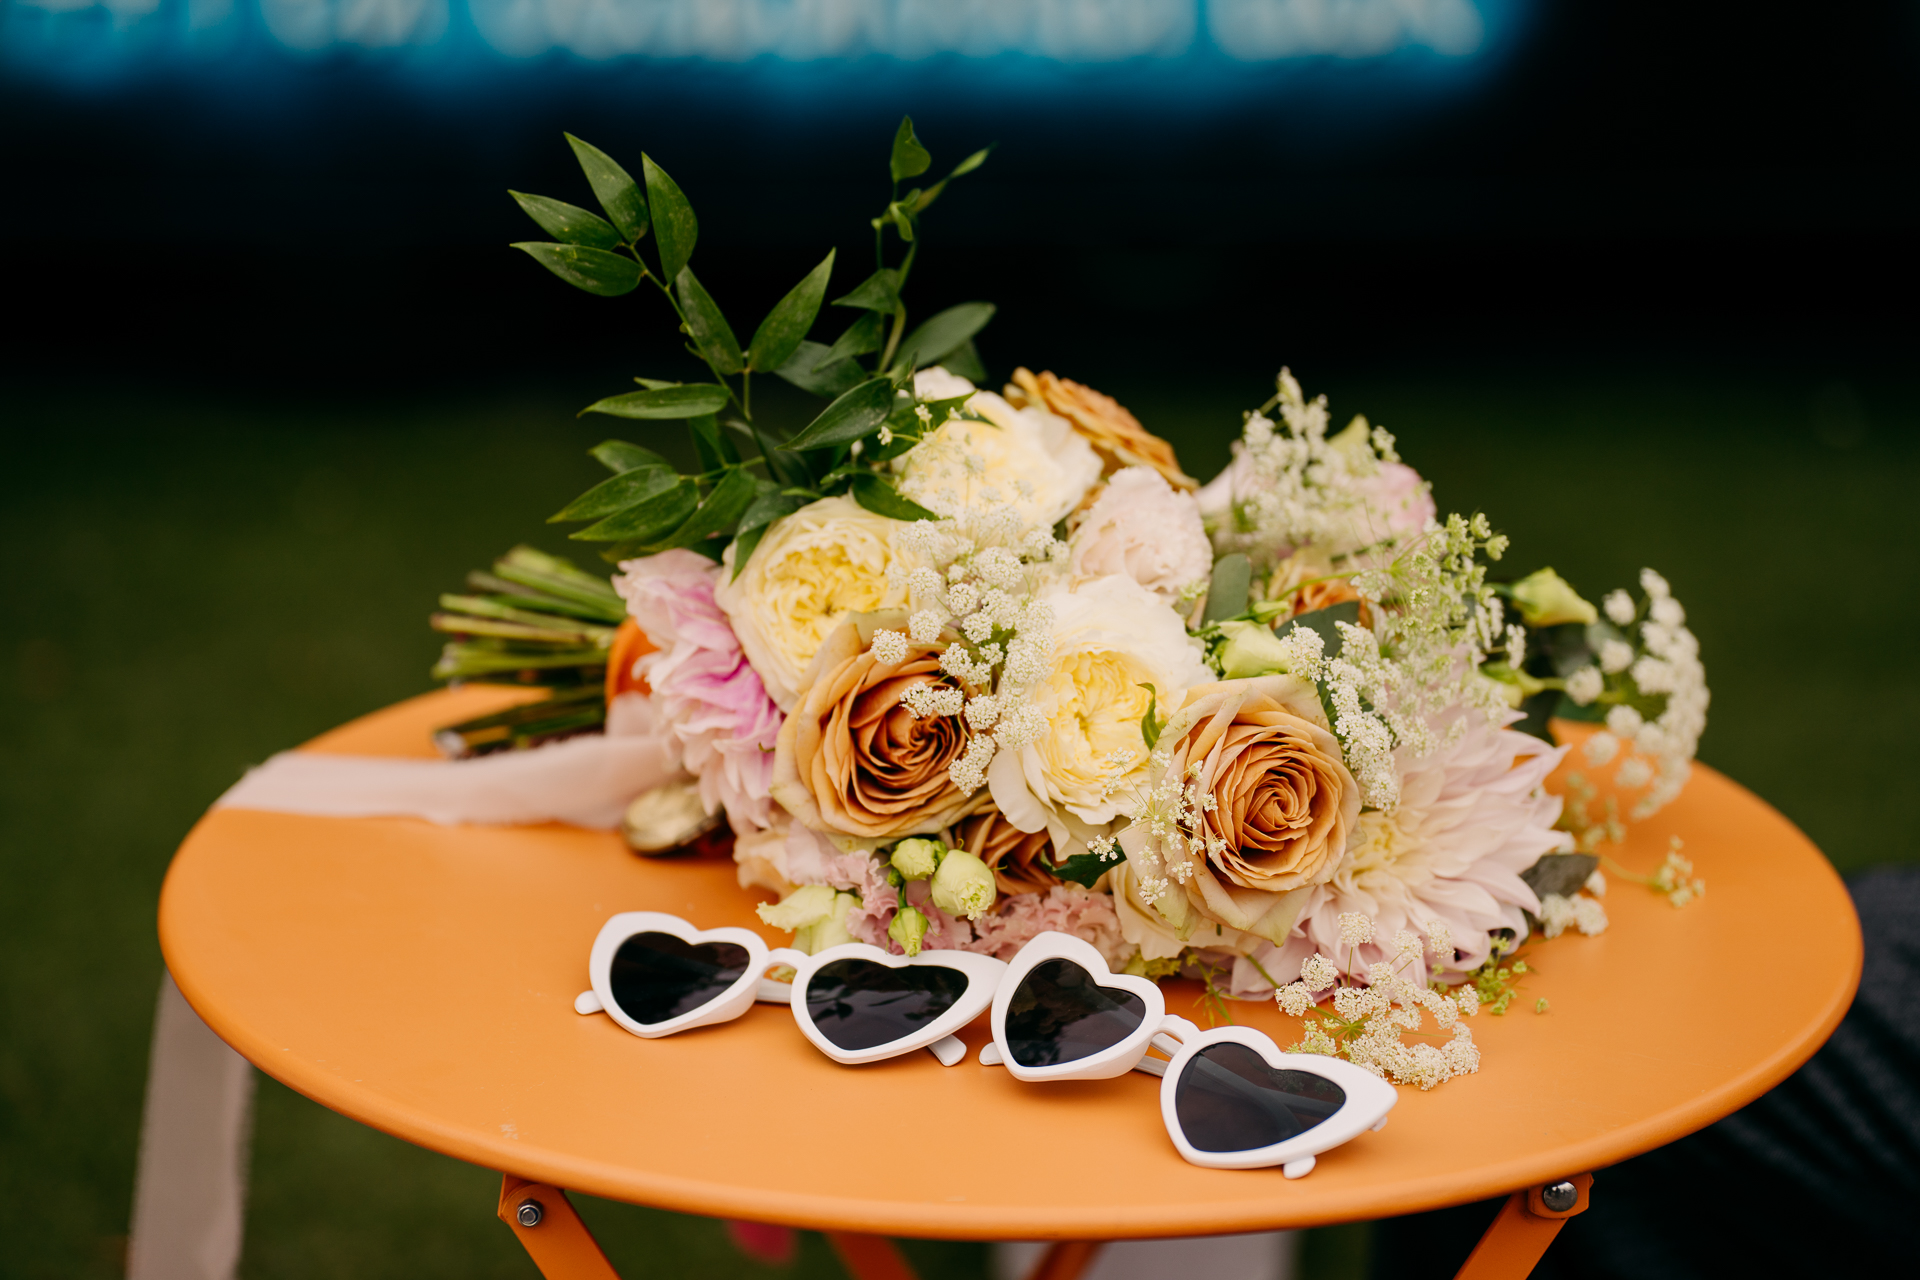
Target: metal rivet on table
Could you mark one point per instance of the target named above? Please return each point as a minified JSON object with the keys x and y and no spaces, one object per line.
{"x":530,"y":1213}
{"x":1559,"y":1196}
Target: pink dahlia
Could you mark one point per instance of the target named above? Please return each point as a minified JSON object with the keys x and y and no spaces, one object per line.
{"x":707,"y":694}
{"x":1471,"y":818}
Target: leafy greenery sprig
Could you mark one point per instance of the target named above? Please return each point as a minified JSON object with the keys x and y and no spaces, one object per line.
{"x":649,"y":506}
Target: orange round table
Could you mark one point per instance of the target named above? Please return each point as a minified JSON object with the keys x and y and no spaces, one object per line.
{"x":420,"y":979}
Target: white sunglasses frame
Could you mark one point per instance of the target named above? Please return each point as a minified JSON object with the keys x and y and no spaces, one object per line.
{"x":1369,"y":1099}
{"x":1157,"y":1027}
{"x":982,"y":973}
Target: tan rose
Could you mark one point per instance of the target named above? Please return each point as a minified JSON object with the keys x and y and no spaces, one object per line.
{"x":1115,"y":434}
{"x":1282,"y":806}
{"x":1019,"y":859}
{"x":853,"y":760}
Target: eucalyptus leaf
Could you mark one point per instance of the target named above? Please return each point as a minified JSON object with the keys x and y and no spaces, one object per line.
{"x":715,"y":450}
{"x":569,"y":222}
{"x":964,"y":361}
{"x":942,"y":333}
{"x":848,"y":418}
{"x":877,"y":496}
{"x":910,"y":159}
{"x":674,"y":226}
{"x":785,"y":327}
{"x":614,"y":187}
{"x":594,"y":270}
{"x":646,"y":521}
{"x":1561,"y":873}
{"x":617,"y":493}
{"x":620,"y":455}
{"x":863,"y":336}
{"x":1227,"y":592}
{"x":878,"y":292}
{"x":723,"y":505}
{"x":709,"y":329}
{"x":810,"y":370}
{"x":663,"y":402}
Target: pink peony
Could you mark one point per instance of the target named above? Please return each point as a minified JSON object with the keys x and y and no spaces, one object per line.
{"x":707,"y":694}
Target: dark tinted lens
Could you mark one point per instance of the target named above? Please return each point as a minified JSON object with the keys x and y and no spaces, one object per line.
{"x":859,"y":1004}
{"x":1059,"y":1013}
{"x":1229,"y":1099}
{"x":657,"y":976}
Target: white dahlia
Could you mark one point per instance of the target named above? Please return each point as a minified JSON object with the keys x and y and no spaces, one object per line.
{"x":1471,"y":818}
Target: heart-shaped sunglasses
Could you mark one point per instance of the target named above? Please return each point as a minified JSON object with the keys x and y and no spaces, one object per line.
{"x":655,"y":974}
{"x":1230,"y":1098}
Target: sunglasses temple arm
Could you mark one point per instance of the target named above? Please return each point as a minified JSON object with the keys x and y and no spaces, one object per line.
{"x":766,"y":990}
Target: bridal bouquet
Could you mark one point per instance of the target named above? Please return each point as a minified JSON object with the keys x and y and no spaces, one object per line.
{"x":958,"y":665}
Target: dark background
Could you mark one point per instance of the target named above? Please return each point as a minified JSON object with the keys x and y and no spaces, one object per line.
{"x":1641,"y":287}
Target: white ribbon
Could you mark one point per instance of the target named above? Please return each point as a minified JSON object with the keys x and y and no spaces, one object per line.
{"x":587,"y":781}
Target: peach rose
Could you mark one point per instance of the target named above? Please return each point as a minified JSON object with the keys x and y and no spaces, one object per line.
{"x":1283,"y":804}
{"x":1019,"y":859}
{"x":853,"y":761}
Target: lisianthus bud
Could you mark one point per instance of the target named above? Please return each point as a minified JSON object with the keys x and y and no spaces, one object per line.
{"x":916,"y":859}
{"x":1545,"y":600}
{"x":908,"y":927}
{"x":1251,"y":650}
{"x":963,"y":886}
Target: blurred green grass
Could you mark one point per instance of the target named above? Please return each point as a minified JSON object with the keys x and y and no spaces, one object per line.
{"x":198,"y":580}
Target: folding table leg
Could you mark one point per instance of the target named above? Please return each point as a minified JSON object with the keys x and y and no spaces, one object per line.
{"x":552,"y":1233}
{"x":869,"y":1257}
{"x":1526,"y":1225}
{"x":1066,"y":1259}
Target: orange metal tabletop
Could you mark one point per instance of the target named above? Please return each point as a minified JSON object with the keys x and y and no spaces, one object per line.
{"x":421,"y":979}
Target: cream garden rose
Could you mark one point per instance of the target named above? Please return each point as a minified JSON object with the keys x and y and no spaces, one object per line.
{"x":1111,"y":636}
{"x":1034,"y":460}
{"x":812,"y":569}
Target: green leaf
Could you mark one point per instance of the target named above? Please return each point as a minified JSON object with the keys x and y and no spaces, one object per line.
{"x":656,"y":384}
{"x":781,"y":333}
{"x":968,"y":165}
{"x":1321,"y":622}
{"x":709,"y":329}
{"x":674,"y":226}
{"x":942,"y":333}
{"x":964,"y":361}
{"x":663,"y":402}
{"x":769,"y":504}
{"x":810,"y":370}
{"x":1082,"y":868}
{"x":847,"y":419}
{"x":910,"y":159}
{"x":594,"y":270}
{"x":645,"y":521}
{"x":614,"y":187}
{"x":743,"y":548}
{"x":715,"y":450}
{"x":724,"y":505}
{"x":1227,"y":592}
{"x":877,"y":496}
{"x":569,"y":222}
{"x":878,"y":292}
{"x":627,"y":489}
{"x":619,"y":455}
{"x":1150,"y":723}
{"x":862,"y":337}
